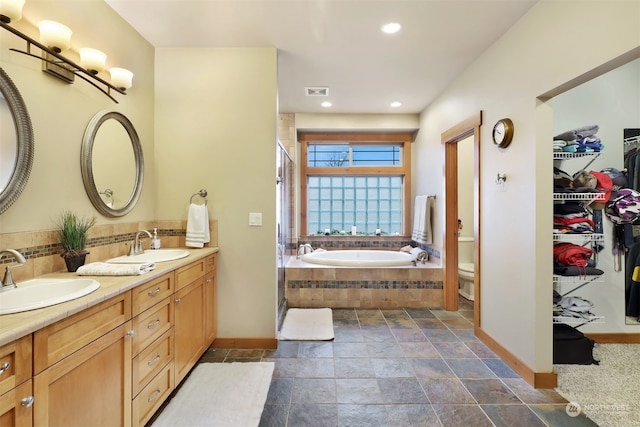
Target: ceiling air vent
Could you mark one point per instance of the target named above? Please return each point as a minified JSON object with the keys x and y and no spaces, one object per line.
{"x":317,"y":91}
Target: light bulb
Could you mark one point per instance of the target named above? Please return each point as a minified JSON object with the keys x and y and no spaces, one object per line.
{"x":92,"y":59}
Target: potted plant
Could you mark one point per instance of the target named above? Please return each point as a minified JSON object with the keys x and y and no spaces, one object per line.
{"x":73,"y":231}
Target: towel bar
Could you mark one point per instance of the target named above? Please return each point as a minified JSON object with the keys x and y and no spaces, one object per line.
{"x":201,"y":193}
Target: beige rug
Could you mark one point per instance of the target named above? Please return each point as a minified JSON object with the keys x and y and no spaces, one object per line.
{"x":220,"y":395}
{"x":307,"y":324}
{"x":608,"y":393}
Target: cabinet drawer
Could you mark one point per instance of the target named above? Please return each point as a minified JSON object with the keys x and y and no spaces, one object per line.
{"x":151,"y":293}
{"x":152,"y":396}
{"x":189,"y":273}
{"x":148,"y":326}
{"x":16,"y":408}
{"x":15,"y":363}
{"x":210,"y":264}
{"x":151,"y":360}
{"x":55,"y":342}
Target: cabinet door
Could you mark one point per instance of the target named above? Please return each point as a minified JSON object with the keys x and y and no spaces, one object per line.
{"x":15,"y":363}
{"x":210,"y":324}
{"x":189,"y":330}
{"x":16,"y":408}
{"x":91,"y":387}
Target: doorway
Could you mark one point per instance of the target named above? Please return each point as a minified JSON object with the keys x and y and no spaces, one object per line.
{"x":468,"y":129}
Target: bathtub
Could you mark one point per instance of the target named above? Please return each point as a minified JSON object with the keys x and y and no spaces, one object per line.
{"x":359,"y":258}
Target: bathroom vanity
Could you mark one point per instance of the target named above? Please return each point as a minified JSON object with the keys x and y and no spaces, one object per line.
{"x":111,"y":357}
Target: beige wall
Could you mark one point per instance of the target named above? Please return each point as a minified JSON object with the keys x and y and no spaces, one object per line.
{"x":60,"y":112}
{"x":540,"y":53}
{"x":216,"y":128}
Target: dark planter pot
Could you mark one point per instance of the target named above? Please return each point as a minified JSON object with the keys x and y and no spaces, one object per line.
{"x":74,"y":262}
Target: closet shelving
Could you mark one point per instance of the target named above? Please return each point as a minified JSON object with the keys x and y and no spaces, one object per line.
{"x":566,"y":285}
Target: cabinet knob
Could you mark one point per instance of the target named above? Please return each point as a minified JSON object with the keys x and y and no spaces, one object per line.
{"x":131,"y":333}
{"x":27,"y":401}
{"x":153,"y":324}
{"x":4,"y":367}
{"x":154,"y":292}
{"x":178,"y":300}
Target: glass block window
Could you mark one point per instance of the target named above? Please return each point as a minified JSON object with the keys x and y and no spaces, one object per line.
{"x":369,"y":203}
{"x":351,"y":179}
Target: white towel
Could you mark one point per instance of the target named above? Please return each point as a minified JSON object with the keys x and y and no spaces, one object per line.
{"x":106,"y":269}
{"x":422,"y":231}
{"x":419,"y":254}
{"x":197,"y":226}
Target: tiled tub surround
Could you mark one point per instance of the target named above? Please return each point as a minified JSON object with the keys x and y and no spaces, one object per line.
{"x":312,"y":285}
{"x":42,"y":248}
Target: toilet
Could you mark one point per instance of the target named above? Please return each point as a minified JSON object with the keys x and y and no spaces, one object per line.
{"x":466,"y":267}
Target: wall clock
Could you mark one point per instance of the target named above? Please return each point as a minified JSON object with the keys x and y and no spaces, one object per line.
{"x":503,"y":133}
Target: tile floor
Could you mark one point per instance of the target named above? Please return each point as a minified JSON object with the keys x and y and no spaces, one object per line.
{"x":399,"y":367}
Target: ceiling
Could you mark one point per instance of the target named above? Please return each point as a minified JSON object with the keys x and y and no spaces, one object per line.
{"x":338,"y":43}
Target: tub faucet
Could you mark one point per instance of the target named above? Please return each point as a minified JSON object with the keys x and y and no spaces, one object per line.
{"x":136,"y":247}
{"x":304,"y":249}
{"x":8,"y":283}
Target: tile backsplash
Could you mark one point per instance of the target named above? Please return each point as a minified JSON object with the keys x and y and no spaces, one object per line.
{"x":42,"y":248}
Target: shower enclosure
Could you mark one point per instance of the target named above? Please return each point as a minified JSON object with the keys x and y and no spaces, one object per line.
{"x":284,"y":226}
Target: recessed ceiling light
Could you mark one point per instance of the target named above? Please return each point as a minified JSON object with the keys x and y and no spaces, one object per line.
{"x":396,"y":104}
{"x":391,"y":28}
{"x":326,"y":104}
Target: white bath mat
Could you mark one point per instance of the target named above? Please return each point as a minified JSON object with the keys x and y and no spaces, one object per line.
{"x":220,"y":395}
{"x":307,"y":324}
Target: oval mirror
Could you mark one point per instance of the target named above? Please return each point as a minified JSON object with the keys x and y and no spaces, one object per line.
{"x":16,"y":142}
{"x":112,"y":163}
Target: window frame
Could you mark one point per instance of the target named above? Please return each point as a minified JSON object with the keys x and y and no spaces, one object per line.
{"x":404,"y":170}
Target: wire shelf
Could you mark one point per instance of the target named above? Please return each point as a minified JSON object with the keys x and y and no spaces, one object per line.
{"x":578,"y":320}
{"x":574,"y":237}
{"x":582,"y":197}
{"x":557,"y":155}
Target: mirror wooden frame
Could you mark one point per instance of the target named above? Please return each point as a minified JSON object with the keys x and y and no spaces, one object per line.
{"x":24,"y":138}
{"x":86,"y":163}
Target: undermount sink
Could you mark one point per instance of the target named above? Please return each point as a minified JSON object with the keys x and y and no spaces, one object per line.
{"x":40,"y":293}
{"x":156,"y":255}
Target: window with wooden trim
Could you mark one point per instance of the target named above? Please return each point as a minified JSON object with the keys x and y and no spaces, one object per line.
{"x":355,"y":179}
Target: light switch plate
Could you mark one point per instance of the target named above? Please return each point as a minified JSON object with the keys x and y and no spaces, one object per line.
{"x":255,"y":218}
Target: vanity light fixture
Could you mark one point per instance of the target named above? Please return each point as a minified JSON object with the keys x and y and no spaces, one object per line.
{"x":93,"y":60}
{"x":11,"y":10}
{"x":55,"y":38}
{"x":55,"y":35}
{"x":121,"y":77}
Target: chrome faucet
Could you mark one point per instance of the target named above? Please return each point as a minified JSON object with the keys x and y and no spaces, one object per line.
{"x":8,"y":283}
{"x":136,"y":247}
{"x":304,"y":249}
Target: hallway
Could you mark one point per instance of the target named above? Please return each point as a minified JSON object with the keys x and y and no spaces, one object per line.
{"x":399,"y":367}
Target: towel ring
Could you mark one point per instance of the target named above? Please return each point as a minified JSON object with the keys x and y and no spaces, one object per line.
{"x":201,"y":193}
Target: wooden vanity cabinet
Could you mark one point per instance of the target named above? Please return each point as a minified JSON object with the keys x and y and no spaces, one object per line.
{"x":153,"y":347}
{"x":83,"y":374}
{"x":16,"y":392}
{"x":113,"y":364}
{"x":210,"y":322}
{"x":189,"y":330}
